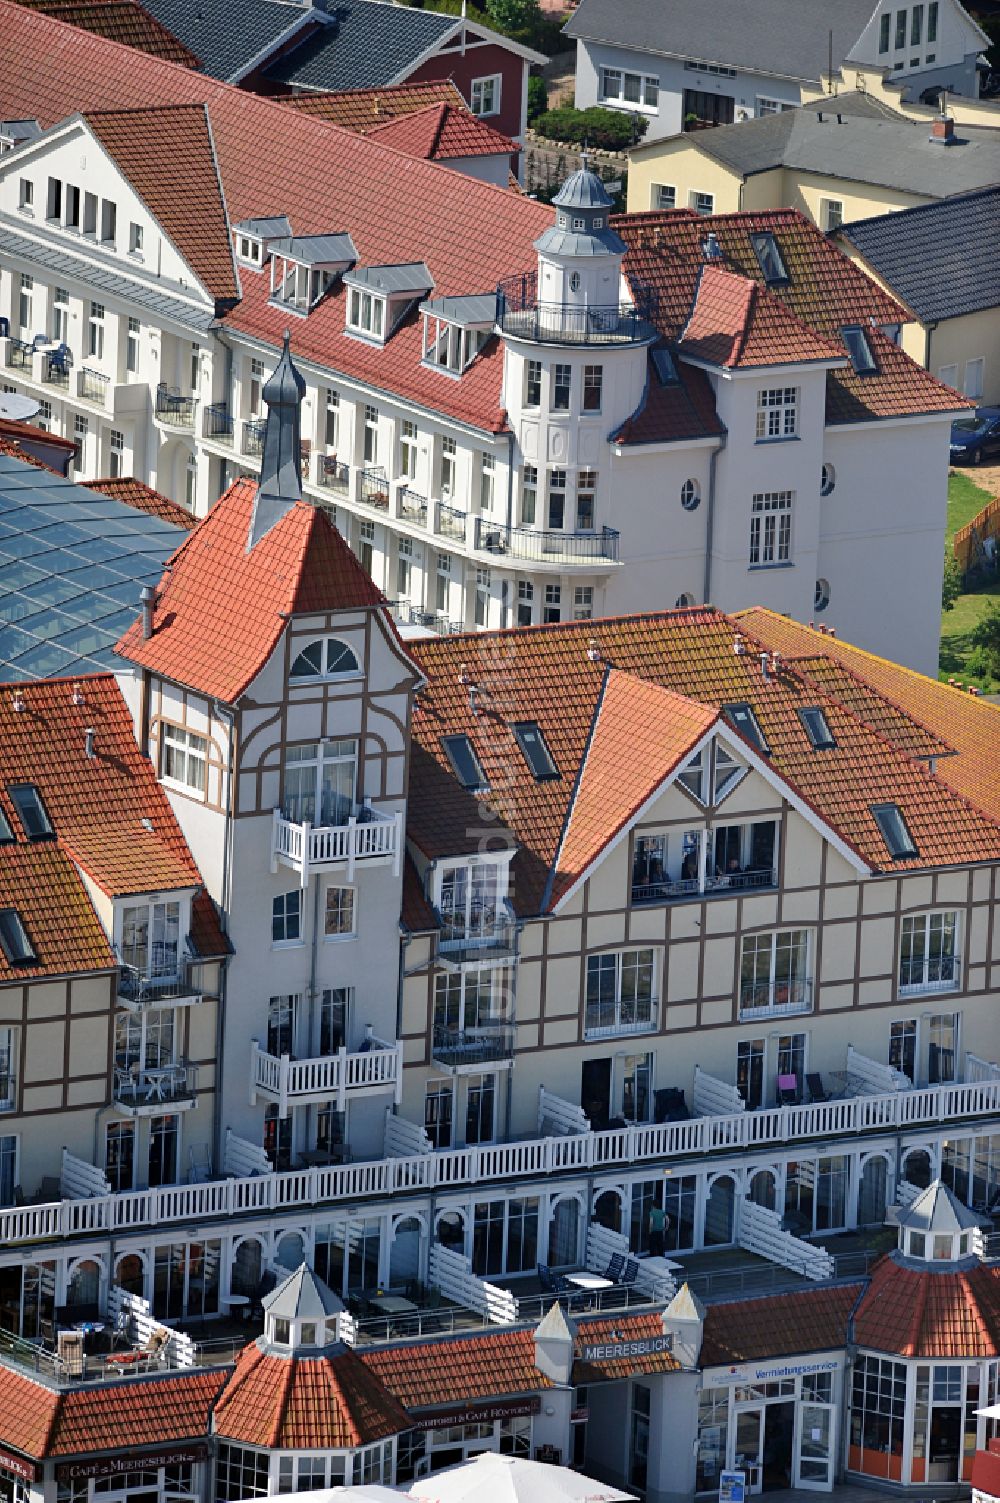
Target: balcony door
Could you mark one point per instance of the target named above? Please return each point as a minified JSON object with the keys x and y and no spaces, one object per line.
{"x":151,"y":939}
{"x":320,"y":782}
{"x":470,"y":898}
{"x":595,"y":1091}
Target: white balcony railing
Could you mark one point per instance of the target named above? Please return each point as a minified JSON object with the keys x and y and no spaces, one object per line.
{"x":327,"y":1077}
{"x":529,"y":1159}
{"x":366,"y":836}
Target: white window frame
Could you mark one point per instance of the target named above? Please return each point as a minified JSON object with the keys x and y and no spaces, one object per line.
{"x":972,"y":381}
{"x":615,"y":85}
{"x":10,"y":1049}
{"x":768,"y":105}
{"x":345,"y":906}
{"x":701,"y":203}
{"x":176,"y":745}
{"x":832,"y":210}
{"x":485,"y":94}
{"x":949,"y":966}
{"x":771,"y":529}
{"x":774,"y":1008}
{"x":645,"y":1009}
{"x":367,"y":313}
{"x":408,"y":449}
{"x":663,"y":196}
{"x":777,"y":414}
{"x":287,"y":942}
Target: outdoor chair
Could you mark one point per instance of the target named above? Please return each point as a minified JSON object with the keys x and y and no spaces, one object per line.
{"x":669,"y":1105}
{"x":615,"y":1267}
{"x":814,"y":1085}
{"x":788,"y":1090}
{"x":630,"y":1272}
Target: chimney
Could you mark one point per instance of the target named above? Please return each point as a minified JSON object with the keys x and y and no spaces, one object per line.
{"x":148,"y":601}
{"x":88,"y":741}
{"x":78,"y":697}
{"x":943,"y":130}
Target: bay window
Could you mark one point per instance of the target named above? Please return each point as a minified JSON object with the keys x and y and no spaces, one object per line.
{"x":472,"y":901}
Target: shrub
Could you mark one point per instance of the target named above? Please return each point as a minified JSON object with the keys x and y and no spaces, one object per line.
{"x":985,"y":638}
{"x":951,"y":586}
{"x":538,"y":96}
{"x":609,"y":130}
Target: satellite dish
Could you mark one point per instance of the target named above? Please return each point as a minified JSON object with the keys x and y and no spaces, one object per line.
{"x":16,"y":408}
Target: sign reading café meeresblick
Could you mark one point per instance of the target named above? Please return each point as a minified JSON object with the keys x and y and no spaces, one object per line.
{"x":617,"y":1351}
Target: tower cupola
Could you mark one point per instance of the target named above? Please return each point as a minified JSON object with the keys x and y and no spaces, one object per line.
{"x":580,"y":256}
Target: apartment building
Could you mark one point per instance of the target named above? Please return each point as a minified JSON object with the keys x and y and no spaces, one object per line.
{"x":683,"y":68}
{"x":500,"y":396}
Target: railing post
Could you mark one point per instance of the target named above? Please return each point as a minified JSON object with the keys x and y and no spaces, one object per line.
{"x":398,"y":1094}
{"x":341,"y":1077}
{"x":275,"y":836}
{"x":306,"y":829}
{"x":283,"y":1087}
{"x":352,"y":845}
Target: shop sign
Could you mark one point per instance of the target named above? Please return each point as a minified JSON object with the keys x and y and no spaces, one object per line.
{"x":623,"y":1351}
{"x":134,"y":1461}
{"x":550,"y":1455}
{"x":470,"y":1414}
{"x":732,"y":1487}
{"x":758,"y":1372}
{"x":26,"y":1470}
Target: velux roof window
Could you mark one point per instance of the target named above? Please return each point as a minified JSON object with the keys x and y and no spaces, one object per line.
{"x":816,"y":727}
{"x":858,"y":348}
{"x":663,"y":364}
{"x":465,"y":763}
{"x":31,"y":811}
{"x":14,"y":939}
{"x":744,"y":719}
{"x":6,"y":833}
{"x":536,"y":753}
{"x":769,"y":258}
{"x":894,"y":830}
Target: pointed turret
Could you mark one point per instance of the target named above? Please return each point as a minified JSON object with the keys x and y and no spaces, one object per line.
{"x":280,"y":470}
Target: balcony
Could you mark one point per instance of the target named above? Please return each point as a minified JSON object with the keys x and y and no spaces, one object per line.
{"x":375,"y":489}
{"x":174,"y":410}
{"x":139,"y":988}
{"x":332,"y":475}
{"x":619,"y":1019}
{"x":775,"y":999}
{"x":217,"y":424}
{"x":92,"y":386}
{"x":19,"y":354}
{"x":413,"y":507}
{"x":487,"y":933}
{"x":921,"y":975}
{"x":541,"y":547}
{"x":55,"y":367}
{"x":368,"y":837}
{"x":667,"y":888}
{"x":451,"y":522}
{"x":252,"y":437}
{"x":434,"y":621}
{"x":371,"y":1071}
{"x":458,"y":1051}
{"x":145,"y":1092}
{"x":520,"y":315}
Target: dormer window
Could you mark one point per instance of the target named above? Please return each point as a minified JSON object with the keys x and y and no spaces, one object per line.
{"x":858,"y":348}
{"x":252,"y":238}
{"x":456,"y":329}
{"x":250,"y":250}
{"x":366,"y":313}
{"x":598,"y":222}
{"x":769,"y":259}
{"x":381,"y":296}
{"x":296,"y":286}
{"x":329,"y":658}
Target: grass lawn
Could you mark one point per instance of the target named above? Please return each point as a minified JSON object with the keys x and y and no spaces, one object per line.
{"x":964,"y":501}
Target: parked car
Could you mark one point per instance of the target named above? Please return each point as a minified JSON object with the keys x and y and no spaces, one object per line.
{"x":976,"y":437}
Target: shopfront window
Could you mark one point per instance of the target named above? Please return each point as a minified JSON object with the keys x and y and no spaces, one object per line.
{"x":878,"y":1408}
{"x":713,"y":1430}
{"x":240,"y":1473}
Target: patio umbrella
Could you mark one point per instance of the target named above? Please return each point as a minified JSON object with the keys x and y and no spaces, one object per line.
{"x":490,"y":1478}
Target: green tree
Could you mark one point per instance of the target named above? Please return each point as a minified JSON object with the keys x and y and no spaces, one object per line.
{"x":951,"y":586}
{"x":514,"y":15}
{"x":985,"y":636}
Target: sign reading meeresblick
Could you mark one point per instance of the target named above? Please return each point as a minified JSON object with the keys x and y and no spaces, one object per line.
{"x":614,"y":1351}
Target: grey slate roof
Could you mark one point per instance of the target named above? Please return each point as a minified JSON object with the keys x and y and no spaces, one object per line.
{"x":937,"y":1209}
{"x":72,"y":565}
{"x":411,"y":277}
{"x":892,"y":153}
{"x":316,"y":250}
{"x":371,"y":43}
{"x":227,"y":39}
{"x":266,"y":229}
{"x":781,"y":38}
{"x":474,"y":308}
{"x":583,"y":189}
{"x":302,"y":1296}
{"x":940,"y":259}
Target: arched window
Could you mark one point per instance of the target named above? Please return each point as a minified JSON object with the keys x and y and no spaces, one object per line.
{"x":329,"y":658}
{"x":690,"y":495}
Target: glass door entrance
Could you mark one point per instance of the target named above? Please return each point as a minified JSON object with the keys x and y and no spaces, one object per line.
{"x":815,"y":1448}
{"x":764,"y":1437}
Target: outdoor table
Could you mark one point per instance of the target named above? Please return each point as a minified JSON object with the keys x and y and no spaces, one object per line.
{"x":661,"y":1265}
{"x":238,"y":1303}
{"x":392,"y":1304}
{"x":592,"y":1282}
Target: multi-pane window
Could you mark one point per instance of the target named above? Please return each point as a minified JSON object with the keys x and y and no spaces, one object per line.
{"x":878,"y":1407}
{"x":371,"y":435}
{"x":771,"y":528}
{"x":151,"y":938}
{"x":900,"y":29}
{"x":442,"y":583}
{"x":132,"y":346}
{"x":116,"y":454}
{"x":932,"y":22}
{"x":562,"y":381}
{"x":286,"y":917}
{"x":480,"y":1109}
{"x":240,"y":1473}
{"x":557,"y":500}
{"x":44,"y":416}
{"x":24,"y":302}
{"x":487,"y":486}
{"x":408,"y":449}
{"x":320,"y":780}
{"x":404,"y":565}
{"x":485,"y":95}
{"x":338,"y":913}
{"x":529,"y":495}
{"x":366,"y":545}
{"x":334,"y":1017}
{"x":928,"y":959}
{"x":119,"y":1155}
{"x":942,"y":1048}
{"x":903,"y":1046}
{"x":81,"y":428}
{"x":9,"y":1055}
{"x":586,"y":487}
{"x":331,"y":429}
{"x":778,"y":412}
{"x":449,"y":461}
{"x":525,"y":602}
{"x":482,"y":602}
{"x":95,"y":331}
{"x":664,"y":196}
{"x":438,"y":1114}
{"x":255,"y":387}
{"x":774,"y":972}
{"x":703,"y":203}
{"x":593,"y":387}
{"x":281,"y":1024}
{"x":470,"y":901}
{"x":620,"y":992}
{"x":533,"y":383}
{"x":465,"y":1001}
{"x":619,"y":86}
{"x":366,"y":313}
{"x":505,"y":1235}
{"x":583,"y":602}
{"x":60,"y":315}
{"x":552,"y":610}
{"x":884,"y":31}
{"x":183,"y":757}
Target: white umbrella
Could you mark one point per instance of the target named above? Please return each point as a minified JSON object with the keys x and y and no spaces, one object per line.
{"x":490,"y":1478}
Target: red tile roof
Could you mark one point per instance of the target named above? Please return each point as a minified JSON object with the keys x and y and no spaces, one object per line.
{"x":470,"y":233}
{"x":221,"y":607}
{"x":65,"y":933}
{"x":333,"y":1401}
{"x":613,"y":1332}
{"x":778,"y":1325}
{"x":364,"y":110}
{"x":429,"y":1374}
{"x":11,"y":428}
{"x":41,"y":1422}
{"x":143,"y":498}
{"x":915,"y":1312}
{"x":99,"y":806}
{"x":12,"y":448}
{"x":440,"y":132}
{"x":735,"y":322}
{"x":825,"y":291}
{"x":168,"y":155}
{"x":668,"y":413}
{"x":123,"y":21}
{"x":546,"y":674}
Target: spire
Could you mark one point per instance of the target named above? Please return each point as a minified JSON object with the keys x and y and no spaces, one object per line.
{"x":280,"y":470}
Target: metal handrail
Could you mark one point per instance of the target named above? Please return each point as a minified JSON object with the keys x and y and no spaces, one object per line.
{"x":493,"y":1039}
{"x":253,"y":436}
{"x":332,"y":474}
{"x":93,"y":385}
{"x":413,"y":507}
{"x":219,"y":422}
{"x":172,"y":408}
{"x":772,"y":998}
{"x":451,"y":521}
{"x":523,"y":315}
{"x":375,"y":488}
{"x":546,"y":546}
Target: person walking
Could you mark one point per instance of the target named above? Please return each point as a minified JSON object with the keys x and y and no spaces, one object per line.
{"x":657,"y":1231}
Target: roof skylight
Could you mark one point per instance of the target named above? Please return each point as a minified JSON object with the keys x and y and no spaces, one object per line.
{"x":769,"y":258}
{"x":858,"y":348}
{"x":14,"y":939}
{"x":894,"y":830}
{"x":6,"y":833}
{"x":817,"y":727}
{"x":666,"y":370}
{"x":744,"y":719}
{"x":31,"y":811}
{"x":536,"y":753}
{"x":460,"y":753}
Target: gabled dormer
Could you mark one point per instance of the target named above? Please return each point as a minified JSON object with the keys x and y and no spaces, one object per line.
{"x":456,"y":329}
{"x":305,"y":267}
{"x":379,"y":297}
{"x":252,"y":238}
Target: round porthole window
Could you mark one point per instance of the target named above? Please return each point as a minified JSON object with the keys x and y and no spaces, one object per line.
{"x":574,"y":282}
{"x":821,"y":598}
{"x":828,"y":480}
{"x":690,"y":494}
{"x":684,"y":602}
